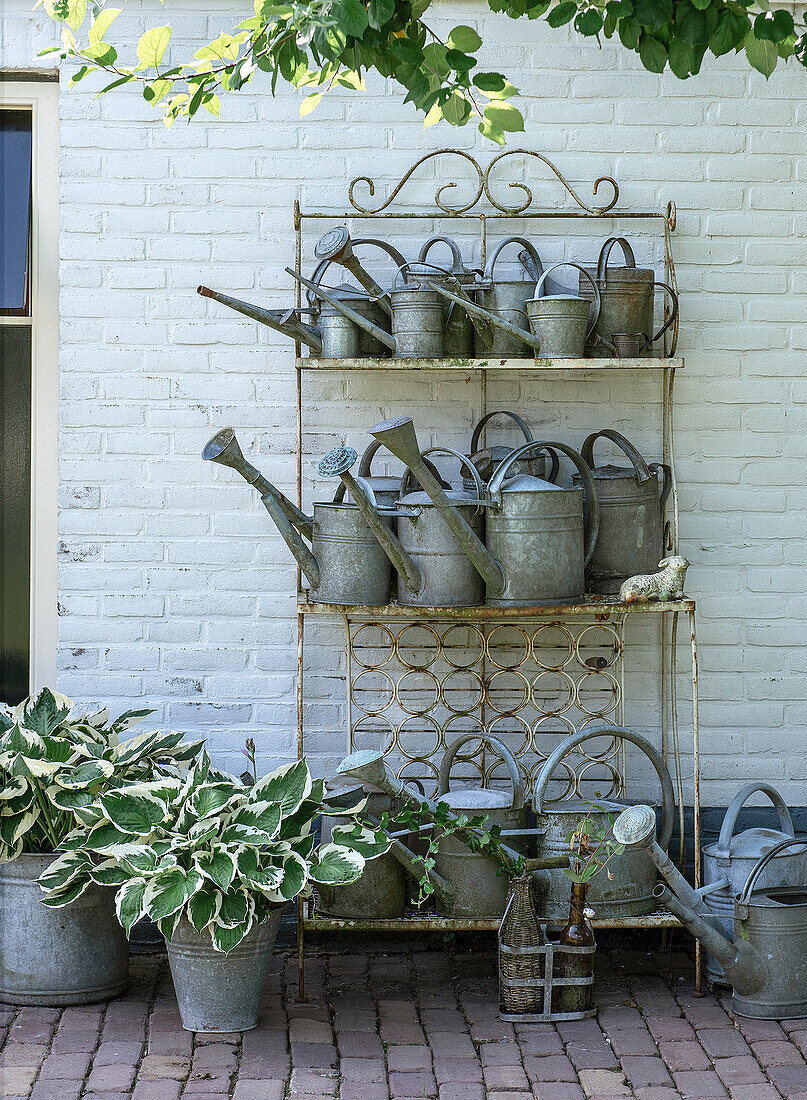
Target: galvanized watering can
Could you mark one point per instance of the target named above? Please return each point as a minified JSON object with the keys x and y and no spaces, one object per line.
{"x":630,"y":892}
{"x":489,"y":458}
{"x":766,"y":963}
{"x":627,"y":296}
{"x":507,"y":299}
{"x":370,"y":767}
{"x":538,"y":538}
{"x":478,"y":890}
{"x":728,"y":862}
{"x":458,"y":329}
{"x":380,"y":892}
{"x":345,"y":563}
{"x":631,"y":538}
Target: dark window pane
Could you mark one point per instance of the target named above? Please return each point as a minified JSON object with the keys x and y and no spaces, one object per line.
{"x":15,"y":510}
{"x":15,"y":210}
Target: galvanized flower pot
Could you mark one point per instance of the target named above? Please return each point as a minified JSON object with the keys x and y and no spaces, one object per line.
{"x":218,"y":992}
{"x":70,"y":956}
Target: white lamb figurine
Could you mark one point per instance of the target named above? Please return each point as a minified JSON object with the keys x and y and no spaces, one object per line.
{"x":666,"y":585}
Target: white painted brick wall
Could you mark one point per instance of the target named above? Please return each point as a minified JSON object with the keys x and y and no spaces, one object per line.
{"x":173,"y":585}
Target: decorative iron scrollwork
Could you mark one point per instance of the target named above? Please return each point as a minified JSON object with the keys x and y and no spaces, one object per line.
{"x":519,"y":209}
{"x":461,"y":209}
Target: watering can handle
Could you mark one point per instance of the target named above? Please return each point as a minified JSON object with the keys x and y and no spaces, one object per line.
{"x":670,"y":319}
{"x":762,"y":862}
{"x":464,"y":460}
{"x":525,"y":431}
{"x":364,"y":471}
{"x":458,"y":267}
{"x":653,"y":755}
{"x":407,"y":267}
{"x":499,"y":747}
{"x":592,"y":515}
{"x":587,"y":451}
{"x":597,"y":300}
{"x":323,"y":265}
{"x":605,"y":252}
{"x":530,"y":248}
{"x":667,"y":482}
{"x":722,"y":851}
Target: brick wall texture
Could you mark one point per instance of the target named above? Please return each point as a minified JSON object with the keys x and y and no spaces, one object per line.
{"x":173,"y":584}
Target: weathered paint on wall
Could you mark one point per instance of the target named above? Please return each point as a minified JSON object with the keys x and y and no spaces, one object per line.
{"x":173,"y":584}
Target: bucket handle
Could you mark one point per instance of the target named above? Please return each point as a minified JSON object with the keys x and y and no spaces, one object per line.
{"x":667,"y":480}
{"x":364,"y":470}
{"x":605,"y":252}
{"x":597,"y":301}
{"x":323,"y":265}
{"x":465,"y":463}
{"x":525,"y":431}
{"x":530,"y":248}
{"x":623,"y":734}
{"x":366,"y":488}
{"x":639,"y":465}
{"x":407,"y":268}
{"x":670,"y":319}
{"x":592,"y":510}
{"x":457,"y":266}
{"x":722,"y":851}
{"x":499,"y":747}
{"x":763,"y":861}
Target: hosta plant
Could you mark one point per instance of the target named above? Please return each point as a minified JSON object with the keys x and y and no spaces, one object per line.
{"x":55,"y":763}
{"x":219,"y":853}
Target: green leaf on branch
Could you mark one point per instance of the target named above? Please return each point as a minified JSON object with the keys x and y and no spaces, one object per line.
{"x":652,"y":53}
{"x":761,"y":53}
{"x":380,"y":12}
{"x":464,"y":39}
{"x":588,"y":22}
{"x":652,"y":13}
{"x":494,"y":86}
{"x":732,"y":27}
{"x":152,"y":46}
{"x":352,"y":17}
{"x":629,"y":33}
{"x":562,"y":13}
{"x":774,"y":26}
{"x":696,"y":26}
{"x":504,"y":116}
{"x":102,"y":22}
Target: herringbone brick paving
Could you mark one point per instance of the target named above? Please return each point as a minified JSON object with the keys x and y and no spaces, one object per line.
{"x":393,"y":1025}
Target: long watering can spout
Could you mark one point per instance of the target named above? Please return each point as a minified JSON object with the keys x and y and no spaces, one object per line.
{"x":337,"y":247}
{"x":399,"y":437}
{"x":293,"y":539}
{"x":224,"y":449}
{"x":281,"y":320}
{"x":485,"y":315}
{"x":337,"y":463}
{"x":352,"y":315}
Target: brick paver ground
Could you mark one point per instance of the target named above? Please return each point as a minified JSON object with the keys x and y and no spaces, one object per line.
{"x":408,"y":1022}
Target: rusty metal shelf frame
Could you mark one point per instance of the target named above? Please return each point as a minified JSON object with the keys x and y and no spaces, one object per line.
{"x":522,"y":208}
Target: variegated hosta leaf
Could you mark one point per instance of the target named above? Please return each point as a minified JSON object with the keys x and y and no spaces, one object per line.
{"x":226,"y":938}
{"x":70,"y":800}
{"x":110,"y":873}
{"x":129,"y":903}
{"x":336,"y":865}
{"x":288,"y":785}
{"x":9,"y":852}
{"x":13,"y":829}
{"x":137,"y":814}
{"x":6,"y":717}
{"x":218,"y":865}
{"x":259,"y":815}
{"x":32,"y":768}
{"x":104,"y":836}
{"x":237,"y":909}
{"x":66,"y":895}
{"x":168,"y":891}
{"x":19,"y":803}
{"x":130,"y":718}
{"x":295,"y":876}
{"x":13,"y":788}
{"x":64,"y":869}
{"x":244,"y":834}
{"x":139,"y":859}
{"x":85,"y":774}
{"x":186,"y":751}
{"x":210,"y":798}
{"x":368,"y":842}
{"x":204,"y":907}
{"x":44,"y":711}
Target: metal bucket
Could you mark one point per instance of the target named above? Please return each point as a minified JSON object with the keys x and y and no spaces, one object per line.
{"x":561,"y":322}
{"x":71,"y":956}
{"x":218,"y":992}
{"x":418,"y":314}
{"x":479,"y":890}
{"x":507,"y":299}
{"x":458,"y":329}
{"x":353,"y":567}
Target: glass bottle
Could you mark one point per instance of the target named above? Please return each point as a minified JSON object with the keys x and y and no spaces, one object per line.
{"x":577,"y":933}
{"x":521,"y":928}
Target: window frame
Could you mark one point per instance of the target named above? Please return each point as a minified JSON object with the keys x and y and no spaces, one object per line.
{"x":41,"y":98}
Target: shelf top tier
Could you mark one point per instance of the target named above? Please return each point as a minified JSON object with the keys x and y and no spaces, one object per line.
{"x":590,"y":605}
{"x":491,"y":364}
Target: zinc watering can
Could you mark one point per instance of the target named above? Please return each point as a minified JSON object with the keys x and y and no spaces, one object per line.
{"x":630,"y":891}
{"x":489,"y":458}
{"x":369,"y":767}
{"x":631,"y":537}
{"x":766,"y":963}
{"x":539,"y":536}
{"x":345,"y":563}
{"x":627,"y":297}
{"x":728,"y":862}
{"x":507,"y":299}
{"x":458,"y":329}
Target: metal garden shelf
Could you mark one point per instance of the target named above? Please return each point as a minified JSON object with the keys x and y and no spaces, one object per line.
{"x":582,"y":681}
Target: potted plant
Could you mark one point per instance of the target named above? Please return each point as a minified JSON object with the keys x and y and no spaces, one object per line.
{"x":214,"y":863}
{"x":53,"y":766}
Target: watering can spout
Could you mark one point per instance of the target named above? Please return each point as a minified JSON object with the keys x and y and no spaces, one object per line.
{"x":281,"y":320}
{"x":337,"y":463}
{"x":399,"y":437}
{"x":352,"y":315}
{"x":485,"y":315}
{"x":224,"y":449}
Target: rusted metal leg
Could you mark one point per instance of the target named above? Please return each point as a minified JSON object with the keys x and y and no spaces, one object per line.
{"x":301,"y":997}
{"x":696,"y":792}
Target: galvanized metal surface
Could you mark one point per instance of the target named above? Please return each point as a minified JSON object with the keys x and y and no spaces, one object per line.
{"x":70,"y":956}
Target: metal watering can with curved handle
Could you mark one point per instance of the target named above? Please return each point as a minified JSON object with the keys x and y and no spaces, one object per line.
{"x":507,"y":299}
{"x":527,"y":517}
{"x":630,"y":891}
{"x":478,"y":890}
{"x":489,"y":458}
{"x":627,"y":298}
{"x":458,"y":329}
{"x":766,"y":963}
{"x":728,"y":862}
{"x":631,"y":538}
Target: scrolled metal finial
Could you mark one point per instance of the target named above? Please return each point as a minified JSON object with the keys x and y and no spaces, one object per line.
{"x":513,"y":210}
{"x":461,"y":209}
{"x":671,"y":215}
{"x":336,"y":462}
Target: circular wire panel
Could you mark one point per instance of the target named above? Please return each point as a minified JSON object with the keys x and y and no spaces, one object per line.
{"x":597,"y":694}
{"x":417,"y":691}
{"x":461,"y":691}
{"x":419,"y":738}
{"x":372,"y":691}
{"x":373,"y":733}
{"x":552,"y":646}
{"x":508,"y":691}
{"x":507,"y":646}
{"x":462,"y":646}
{"x":417,"y":646}
{"x":597,"y":647}
{"x":372,"y":645}
{"x":552,"y":691}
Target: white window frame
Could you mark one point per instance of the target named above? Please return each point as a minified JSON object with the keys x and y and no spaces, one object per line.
{"x":42,"y":99}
